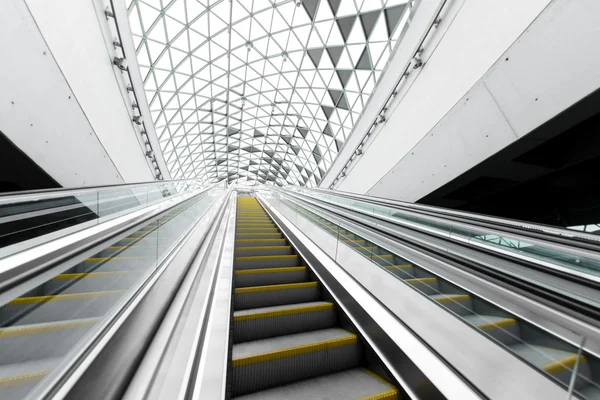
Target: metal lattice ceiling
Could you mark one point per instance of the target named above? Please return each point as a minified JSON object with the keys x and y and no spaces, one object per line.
{"x":260,"y":90}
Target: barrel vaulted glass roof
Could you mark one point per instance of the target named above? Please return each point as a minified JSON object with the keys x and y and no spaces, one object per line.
{"x":260,"y":90}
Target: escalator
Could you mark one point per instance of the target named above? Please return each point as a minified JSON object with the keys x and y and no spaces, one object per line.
{"x":290,"y":341}
{"x":39,"y":328}
{"x":539,"y":348}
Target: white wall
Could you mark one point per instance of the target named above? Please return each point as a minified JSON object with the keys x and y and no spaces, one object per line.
{"x":493,"y":72}
{"x":62,"y":101}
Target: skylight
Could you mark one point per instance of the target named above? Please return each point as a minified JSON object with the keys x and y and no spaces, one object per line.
{"x":260,"y":90}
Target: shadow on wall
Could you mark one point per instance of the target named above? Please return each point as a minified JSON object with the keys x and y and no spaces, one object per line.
{"x":19,"y":172}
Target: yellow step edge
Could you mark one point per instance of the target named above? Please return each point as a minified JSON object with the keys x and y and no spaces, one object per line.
{"x":354,"y":241}
{"x":259,"y":234}
{"x":95,"y":274}
{"x":268,"y":288}
{"x":98,"y":259}
{"x":262,"y":248}
{"x":563,"y":364}
{"x":258,"y":229}
{"x":253,"y":219}
{"x":134,"y":238}
{"x":258,"y":240}
{"x":503,"y":323}
{"x":61,"y":297}
{"x":455,"y":297}
{"x":280,"y":313}
{"x":38,"y":329}
{"x":295,"y":351}
{"x":383,"y":255}
{"x":390,"y":394}
{"x":268,"y":270}
{"x":421,"y":280}
{"x":22,"y":379}
{"x":263,"y":225}
{"x":404,"y":266}
{"x":281,"y":257}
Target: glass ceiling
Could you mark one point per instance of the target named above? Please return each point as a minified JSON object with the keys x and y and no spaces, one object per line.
{"x":260,"y":90}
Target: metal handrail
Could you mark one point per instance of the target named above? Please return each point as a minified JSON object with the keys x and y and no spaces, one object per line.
{"x":468,"y":217}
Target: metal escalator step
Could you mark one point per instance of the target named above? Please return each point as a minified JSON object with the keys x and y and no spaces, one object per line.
{"x":260,"y":242}
{"x":257,"y":230}
{"x":276,"y":235}
{"x":405,"y":271}
{"x":262,"y":364}
{"x":460,"y":304}
{"x":247,"y":262}
{"x":269,"y":276}
{"x":558,"y":363}
{"x":263,"y":251}
{"x":92,"y":281}
{"x":383,"y":259}
{"x":16,"y":380}
{"x":22,"y":343}
{"x":425,"y":285}
{"x":505,"y":330}
{"x":352,"y":384}
{"x":61,"y":307}
{"x":275,"y":295}
{"x":265,"y":322}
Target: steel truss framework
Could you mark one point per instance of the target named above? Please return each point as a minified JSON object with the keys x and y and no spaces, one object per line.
{"x":260,"y":90}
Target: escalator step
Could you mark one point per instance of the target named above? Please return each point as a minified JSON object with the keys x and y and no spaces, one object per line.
{"x":247,"y":262}
{"x":263,"y":251}
{"x":274,"y":295}
{"x":353,"y":384}
{"x":505,"y":330}
{"x":269,"y":276}
{"x":60,"y":307}
{"x":23,"y":343}
{"x":265,"y":322}
{"x":262,"y":364}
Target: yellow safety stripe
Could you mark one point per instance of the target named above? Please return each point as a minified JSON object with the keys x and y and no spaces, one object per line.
{"x":22,"y":379}
{"x":280,"y":313}
{"x":383,"y":255}
{"x":259,"y":240}
{"x":57,"y":297}
{"x":259,"y":234}
{"x":94,"y":274}
{"x":247,"y":225}
{"x":456,"y":297}
{"x":37,"y":329}
{"x":565,"y":363}
{"x":268,"y":270}
{"x":268,"y":288}
{"x":389,"y":394}
{"x":262,"y":248}
{"x":258,"y":229}
{"x":405,"y":266}
{"x":281,"y":257}
{"x":421,"y":280}
{"x":295,"y":351}
{"x":488,"y":326}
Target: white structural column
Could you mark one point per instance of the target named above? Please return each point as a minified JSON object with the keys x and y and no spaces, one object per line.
{"x":493,"y":71}
{"x":63,"y":102}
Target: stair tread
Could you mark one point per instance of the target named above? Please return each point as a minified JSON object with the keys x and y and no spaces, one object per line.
{"x":485,"y":320}
{"x":349,"y":384}
{"x":281,"y":343}
{"x":546,"y":358}
{"x":280,"y":308}
{"x":44,"y":327}
{"x":28,"y":368}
